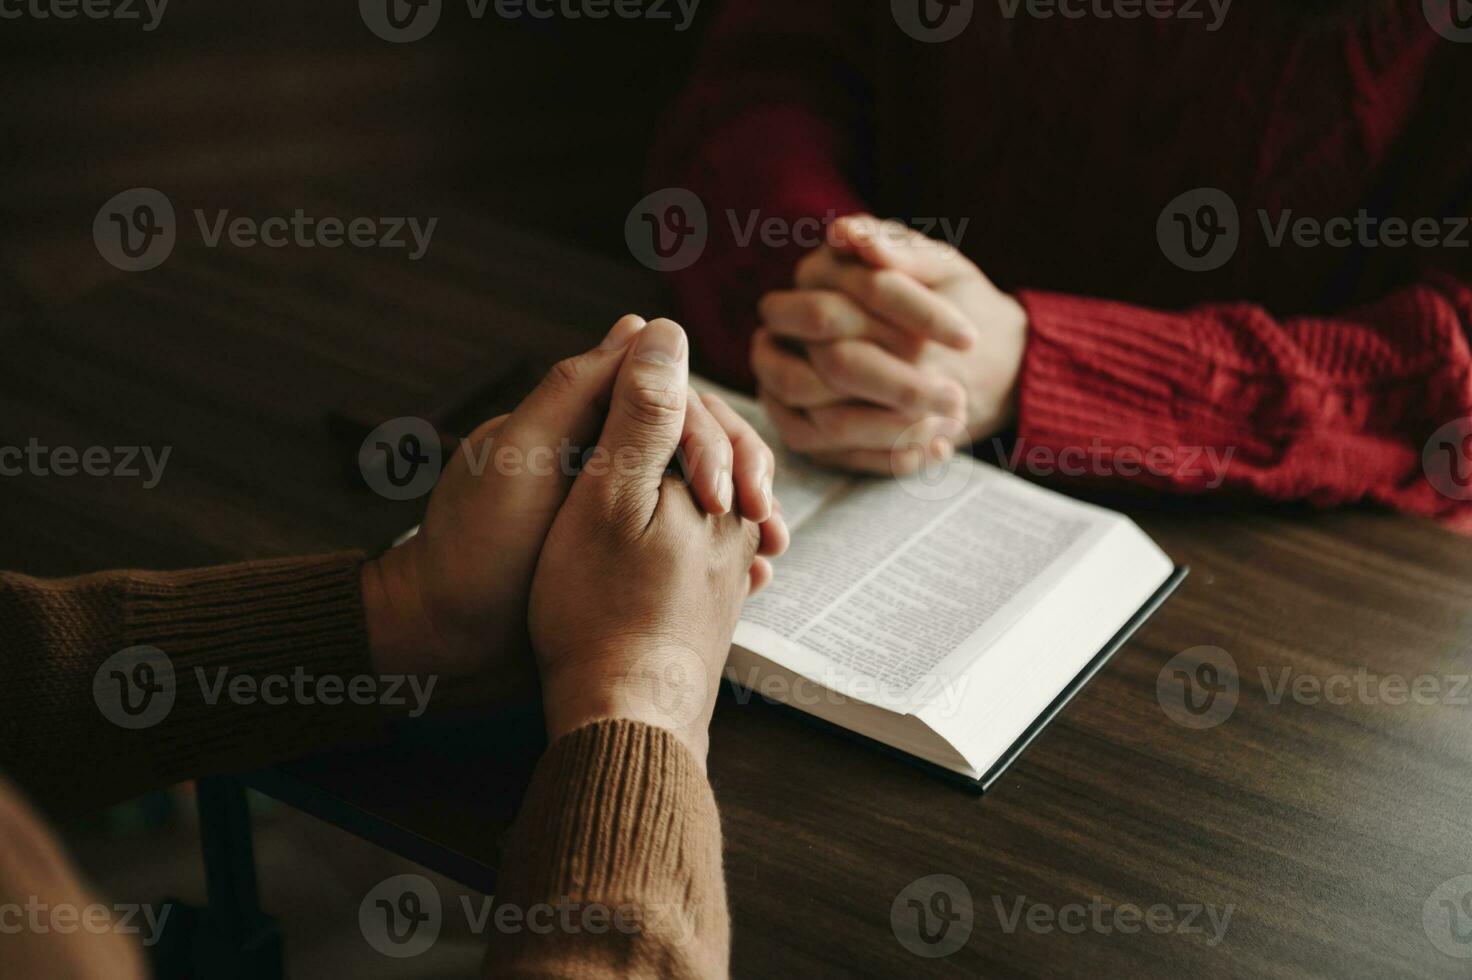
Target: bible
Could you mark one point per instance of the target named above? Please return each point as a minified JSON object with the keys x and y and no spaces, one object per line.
{"x":947,"y":615}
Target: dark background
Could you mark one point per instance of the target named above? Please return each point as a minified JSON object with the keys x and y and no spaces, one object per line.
{"x":244,"y":105}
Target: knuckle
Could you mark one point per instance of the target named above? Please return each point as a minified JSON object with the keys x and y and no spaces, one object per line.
{"x":753,"y":539}
{"x":953,"y":399}
{"x":931,"y":321}
{"x":868,"y":287}
{"x":766,"y":307}
{"x":789,"y":381}
{"x":822,"y":318}
{"x":565,"y":375}
{"x":887,"y":281}
{"x":808,"y":266}
{"x":910,"y":396}
{"x":655,"y":400}
{"x":836,"y":363}
{"x":759,"y":359}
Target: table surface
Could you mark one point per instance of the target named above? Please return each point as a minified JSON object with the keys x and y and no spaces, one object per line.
{"x":1327,"y":828}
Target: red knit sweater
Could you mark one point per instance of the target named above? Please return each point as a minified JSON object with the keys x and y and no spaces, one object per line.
{"x":1326,"y":370}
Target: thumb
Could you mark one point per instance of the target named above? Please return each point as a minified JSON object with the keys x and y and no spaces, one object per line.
{"x":645,"y":418}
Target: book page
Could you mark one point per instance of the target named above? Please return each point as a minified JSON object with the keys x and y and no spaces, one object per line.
{"x":887,"y":595}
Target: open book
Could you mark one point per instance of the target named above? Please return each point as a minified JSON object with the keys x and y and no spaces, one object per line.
{"x":948,"y":615}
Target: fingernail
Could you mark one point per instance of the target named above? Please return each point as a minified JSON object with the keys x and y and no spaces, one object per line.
{"x":767,"y":490}
{"x":662,"y":340}
{"x":942,"y":448}
{"x":724,"y":489}
{"x":623,"y":331}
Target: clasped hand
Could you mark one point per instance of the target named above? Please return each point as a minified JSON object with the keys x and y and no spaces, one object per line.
{"x":890,"y":350}
{"x":618,"y":587}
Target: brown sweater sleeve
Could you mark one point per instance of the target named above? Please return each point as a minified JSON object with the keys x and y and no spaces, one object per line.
{"x":618,"y":834}
{"x":613,"y":868}
{"x":88,"y":718}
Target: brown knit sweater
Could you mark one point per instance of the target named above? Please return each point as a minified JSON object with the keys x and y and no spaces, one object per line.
{"x":619,"y":823}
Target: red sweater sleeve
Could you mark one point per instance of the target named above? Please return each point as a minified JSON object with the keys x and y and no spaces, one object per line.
{"x":1325,"y":409}
{"x":767,"y":129}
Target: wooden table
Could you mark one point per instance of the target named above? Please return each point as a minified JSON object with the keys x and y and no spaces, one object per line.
{"x":1325,"y":827}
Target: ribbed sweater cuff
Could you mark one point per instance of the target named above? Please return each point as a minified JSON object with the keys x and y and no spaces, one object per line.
{"x":1096,"y":369}
{"x":289,"y":631}
{"x":135,"y":680}
{"x":619,"y":816}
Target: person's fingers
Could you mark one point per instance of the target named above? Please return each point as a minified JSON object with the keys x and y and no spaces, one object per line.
{"x":568,"y":403}
{"x":857,"y":426}
{"x":822,"y":315}
{"x":797,"y":431}
{"x":786,"y":376}
{"x":775,"y":536}
{"x":891,"y":245}
{"x":901,"y":461}
{"x":748,"y":541}
{"x":867,"y":372}
{"x":892,"y":295}
{"x":706,"y":453}
{"x":645,"y":419}
{"x":759,"y":576}
{"x":753,"y":465}
{"x":486,"y":430}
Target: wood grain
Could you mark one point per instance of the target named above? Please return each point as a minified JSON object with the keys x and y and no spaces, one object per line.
{"x":1324,"y":827}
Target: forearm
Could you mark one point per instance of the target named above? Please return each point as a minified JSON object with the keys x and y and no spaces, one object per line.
{"x":241,"y":666}
{"x":618,"y":849}
{"x":1327,"y":410}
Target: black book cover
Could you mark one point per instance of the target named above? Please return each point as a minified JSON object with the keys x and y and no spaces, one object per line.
{"x":1015,"y":750}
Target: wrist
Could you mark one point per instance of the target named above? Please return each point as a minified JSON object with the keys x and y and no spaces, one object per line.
{"x":659,"y":692}
{"x":392,"y":612}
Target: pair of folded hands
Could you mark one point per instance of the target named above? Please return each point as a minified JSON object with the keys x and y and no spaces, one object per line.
{"x":614,"y":582}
